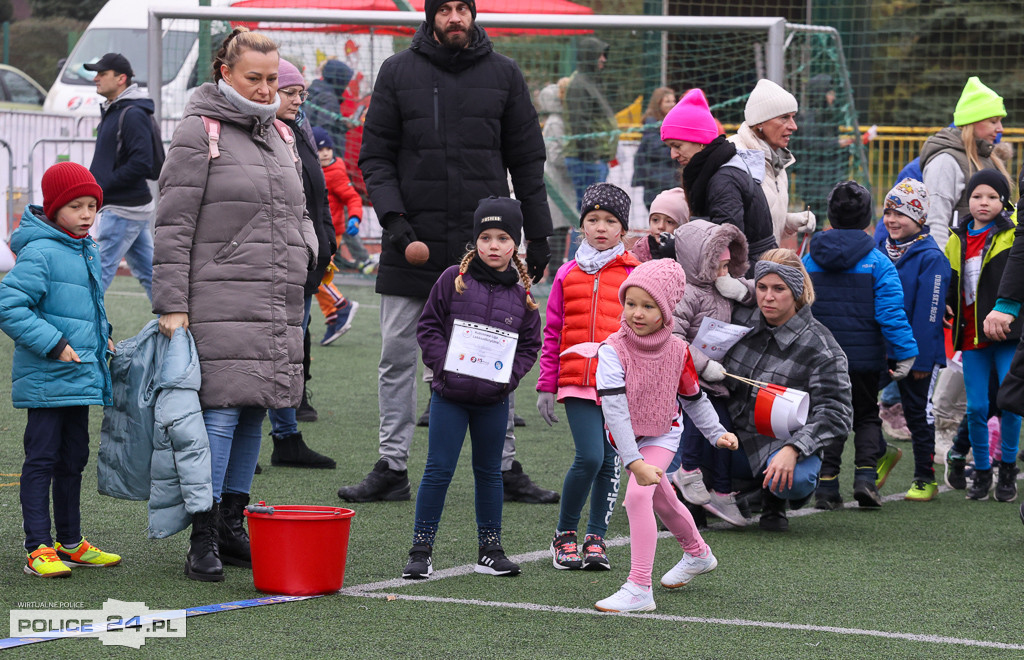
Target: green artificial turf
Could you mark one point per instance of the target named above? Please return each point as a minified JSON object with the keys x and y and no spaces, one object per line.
{"x":944,"y":569}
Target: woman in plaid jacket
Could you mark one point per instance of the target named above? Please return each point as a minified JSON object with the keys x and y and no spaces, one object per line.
{"x":787,"y":347}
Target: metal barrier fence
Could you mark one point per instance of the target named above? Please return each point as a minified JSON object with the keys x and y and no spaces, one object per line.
{"x":895,"y":146}
{"x":8,"y":171}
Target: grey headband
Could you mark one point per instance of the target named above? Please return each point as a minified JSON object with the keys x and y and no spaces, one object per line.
{"x":791,"y":275}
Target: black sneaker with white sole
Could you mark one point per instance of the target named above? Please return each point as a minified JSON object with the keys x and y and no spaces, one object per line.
{"x":420,"y":564}
{"x":494,"y":562}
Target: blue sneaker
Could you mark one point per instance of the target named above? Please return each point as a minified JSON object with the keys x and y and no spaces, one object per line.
{"x":341,"y":324}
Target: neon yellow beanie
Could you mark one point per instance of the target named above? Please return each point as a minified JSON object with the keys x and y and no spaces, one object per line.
{"x":977,"y":102}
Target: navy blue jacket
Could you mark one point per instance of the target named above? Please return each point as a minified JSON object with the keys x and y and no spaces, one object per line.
{"x":123,"y":176}
{"x":491,"y":304}
{"x":924,"y":272}
{"x":859,"y":298}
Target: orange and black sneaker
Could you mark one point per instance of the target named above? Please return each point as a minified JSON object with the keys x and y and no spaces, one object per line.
{"x":44,"y":562}
{"x":86,"y":555}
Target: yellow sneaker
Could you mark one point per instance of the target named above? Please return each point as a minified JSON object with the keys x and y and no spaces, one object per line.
{"x":87,"y":555}
{"x":43,"y":562}
{"x":922,"y":491}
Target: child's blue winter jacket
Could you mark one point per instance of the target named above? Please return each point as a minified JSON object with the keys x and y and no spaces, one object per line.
{"x":54,"y":293}
{"x":924,"y":272}
{"x":859,"y":298}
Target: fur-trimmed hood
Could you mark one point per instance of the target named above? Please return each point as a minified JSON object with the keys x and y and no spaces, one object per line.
{"x":698,"y":245}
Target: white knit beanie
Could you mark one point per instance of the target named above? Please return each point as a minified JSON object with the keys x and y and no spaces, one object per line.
{"x":768,"y":101}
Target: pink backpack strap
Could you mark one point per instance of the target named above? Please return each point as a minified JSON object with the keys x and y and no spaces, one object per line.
{"x":288,"y":137}
{"x":212,"y":127}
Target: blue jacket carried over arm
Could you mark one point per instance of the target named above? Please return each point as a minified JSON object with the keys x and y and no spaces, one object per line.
{"x":859,"y":298}
{"x":153,"y":442}
{"x":924,"y":272}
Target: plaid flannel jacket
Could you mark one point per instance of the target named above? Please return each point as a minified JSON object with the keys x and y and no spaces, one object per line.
{"x":801,"y":354}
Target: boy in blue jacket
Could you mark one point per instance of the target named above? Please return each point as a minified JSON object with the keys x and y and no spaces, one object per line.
{"x":860,"y":300}
{"x":924,"y":272}
{"x":51,"y":305}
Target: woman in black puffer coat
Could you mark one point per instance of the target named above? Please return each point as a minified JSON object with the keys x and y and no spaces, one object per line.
{"x":721,"y":182}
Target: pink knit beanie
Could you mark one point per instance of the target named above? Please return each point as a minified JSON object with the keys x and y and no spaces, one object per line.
{"x":690,"y":120}
{"x":672,"y":203}
{"x":288,"y":74}
{"x":664,"y":280}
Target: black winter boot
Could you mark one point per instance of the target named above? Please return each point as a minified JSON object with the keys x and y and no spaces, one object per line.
{"x":233,"y":539}
{"x":203,"y":561}
{"x":773,"y":512}
{"x":980,"y":485}
{"x":382,"y":484}
{"x":306,"y":412}
{"x":291,"y":451}
{"x":518,"y":487}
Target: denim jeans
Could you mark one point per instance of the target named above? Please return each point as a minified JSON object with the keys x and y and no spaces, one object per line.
{"x":282,"y":420}
{"x":56,"y":451}
{"x":234,"y":447}
{"x":121,"y":238}
{"x":805,"y":476}
{"x":584,"y":173}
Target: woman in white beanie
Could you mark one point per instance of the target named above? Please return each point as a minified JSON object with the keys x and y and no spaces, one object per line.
{"x":769,"y":122}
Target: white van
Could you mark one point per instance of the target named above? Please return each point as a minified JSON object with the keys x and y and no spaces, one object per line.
{"x":121,"y":27}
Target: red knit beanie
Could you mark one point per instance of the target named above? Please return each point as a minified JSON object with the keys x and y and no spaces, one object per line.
{"x":67,"y":181}
{"x":664,"y":280}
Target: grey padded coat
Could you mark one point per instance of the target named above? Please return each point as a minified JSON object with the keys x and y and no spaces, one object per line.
{"x":232,"y":246}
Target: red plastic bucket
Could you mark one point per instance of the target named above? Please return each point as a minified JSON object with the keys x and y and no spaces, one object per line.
{"x":285,"y":540}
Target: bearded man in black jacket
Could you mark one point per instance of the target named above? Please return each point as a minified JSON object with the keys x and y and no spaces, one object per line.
{"x":450,"y":121}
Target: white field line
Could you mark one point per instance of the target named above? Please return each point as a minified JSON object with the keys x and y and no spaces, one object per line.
{"x":375,"y":590}
{"x":932,"y":639}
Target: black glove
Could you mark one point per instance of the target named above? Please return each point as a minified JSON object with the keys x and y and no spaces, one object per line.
{"x":663,"y":247}
{"x":538,"y":254}
{"x":399,"y":231}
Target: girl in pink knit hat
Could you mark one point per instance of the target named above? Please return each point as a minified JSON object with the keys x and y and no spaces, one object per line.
{"x":646,"y":379}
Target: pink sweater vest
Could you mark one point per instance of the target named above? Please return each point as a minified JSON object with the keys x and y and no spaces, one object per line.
{"x":653,"y":366}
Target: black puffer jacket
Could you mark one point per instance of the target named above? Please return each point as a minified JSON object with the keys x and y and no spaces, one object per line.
{"x":441,"y":130}
{"x":315,"y":189}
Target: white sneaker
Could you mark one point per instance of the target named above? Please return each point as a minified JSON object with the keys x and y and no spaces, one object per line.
{"x":630,"y":598}
{"x":688,"y":568}
{"x":691,"y":485}
{"x":724,"y":506}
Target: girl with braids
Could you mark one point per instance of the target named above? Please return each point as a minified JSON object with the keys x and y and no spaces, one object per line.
{"x":232,"y":246}
{"x":482,"y":291}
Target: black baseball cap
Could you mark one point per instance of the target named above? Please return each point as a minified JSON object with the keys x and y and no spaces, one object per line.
{"x":115,"y":62}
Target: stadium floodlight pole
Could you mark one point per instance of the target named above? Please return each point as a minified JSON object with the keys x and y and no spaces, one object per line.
{"x":775,"y":28}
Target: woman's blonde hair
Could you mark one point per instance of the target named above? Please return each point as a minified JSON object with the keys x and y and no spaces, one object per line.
{"x":971,"y":149}
{"x":239,"y":41}
{"x":788,"y":257}
{"x":524,"y":276}
{"x":654,"y":106}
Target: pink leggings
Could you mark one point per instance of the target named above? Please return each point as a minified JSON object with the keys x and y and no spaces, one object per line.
{"x":641,"y":503}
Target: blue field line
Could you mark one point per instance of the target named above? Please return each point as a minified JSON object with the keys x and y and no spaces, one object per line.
{"x":14,"y":642}
{"x":671,"y":618}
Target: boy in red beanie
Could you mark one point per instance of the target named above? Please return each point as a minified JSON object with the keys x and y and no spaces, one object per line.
{"x":51,"y":305}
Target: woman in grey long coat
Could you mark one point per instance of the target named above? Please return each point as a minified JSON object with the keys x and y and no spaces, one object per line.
{"x":233,"y":244}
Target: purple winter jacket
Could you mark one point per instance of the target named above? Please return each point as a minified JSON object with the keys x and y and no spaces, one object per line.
{"x":491,"y":304}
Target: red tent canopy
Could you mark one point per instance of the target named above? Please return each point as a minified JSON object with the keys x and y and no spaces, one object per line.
{"x":482,"y":6}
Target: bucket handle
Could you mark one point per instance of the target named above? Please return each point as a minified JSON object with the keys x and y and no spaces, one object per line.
{"x":255,"y":508}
